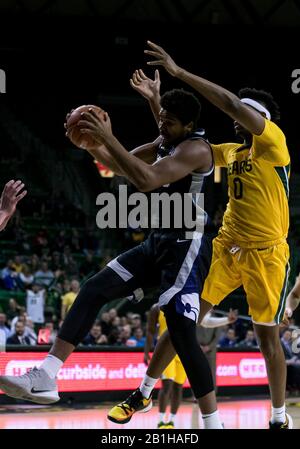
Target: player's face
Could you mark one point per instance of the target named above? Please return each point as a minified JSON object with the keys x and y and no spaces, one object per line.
{"x":170,"y":128}
{"x":240,"y":131}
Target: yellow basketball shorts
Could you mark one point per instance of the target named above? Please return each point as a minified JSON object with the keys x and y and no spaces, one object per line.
{"x":175,"y":371}
{"x":262,"y":272}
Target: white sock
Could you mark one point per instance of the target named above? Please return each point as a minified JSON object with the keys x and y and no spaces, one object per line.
{"x":51,"y":365}
{"x":212,"y":421}
{"x":147,"y":386}
{"x":278,"y":414}
{"x":172,"y":417}
{"x":161,"y":417}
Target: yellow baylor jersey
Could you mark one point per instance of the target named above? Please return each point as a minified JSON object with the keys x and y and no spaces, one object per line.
{"x":257,"y":214}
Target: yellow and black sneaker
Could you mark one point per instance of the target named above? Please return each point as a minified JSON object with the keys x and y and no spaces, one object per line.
{"x":170,"y":425}
{"x":122,"y":413}
{"x":161,"y":425}
{"x":288,"y":424}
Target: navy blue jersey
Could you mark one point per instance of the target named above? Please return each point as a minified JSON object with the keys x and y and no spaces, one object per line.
{"x":192,"y":184}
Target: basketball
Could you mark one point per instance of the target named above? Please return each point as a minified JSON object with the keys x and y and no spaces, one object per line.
{"x":84,"y":141}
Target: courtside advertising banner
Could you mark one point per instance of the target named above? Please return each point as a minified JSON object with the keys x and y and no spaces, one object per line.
{"x":105,"y":371}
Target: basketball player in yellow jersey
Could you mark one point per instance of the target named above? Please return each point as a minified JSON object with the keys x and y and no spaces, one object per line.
{"x":251,"y":248}
{"x":173,"y":376}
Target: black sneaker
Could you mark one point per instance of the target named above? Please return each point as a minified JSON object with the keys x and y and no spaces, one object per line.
{"x":288,"y":424}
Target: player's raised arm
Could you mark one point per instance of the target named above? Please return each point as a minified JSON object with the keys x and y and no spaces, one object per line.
{"x":223,"y":99}
{"x":149,"y":89}
{"x":11,"y":195}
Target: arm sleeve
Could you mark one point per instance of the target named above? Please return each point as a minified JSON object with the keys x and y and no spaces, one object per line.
{"x":271,"y":146}
{"x":210,"y":321}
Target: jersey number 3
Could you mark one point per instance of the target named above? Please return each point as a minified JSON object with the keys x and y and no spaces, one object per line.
{"x":238,"y":188}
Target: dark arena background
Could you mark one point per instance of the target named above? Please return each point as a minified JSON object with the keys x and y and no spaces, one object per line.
{"x":57,"y":55}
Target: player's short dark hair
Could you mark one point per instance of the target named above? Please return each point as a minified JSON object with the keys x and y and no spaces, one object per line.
{"x":263,"y":97}
{"x":184,"y":105}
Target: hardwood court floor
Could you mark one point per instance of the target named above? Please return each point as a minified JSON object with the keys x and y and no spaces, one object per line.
{"x":236,"y":414}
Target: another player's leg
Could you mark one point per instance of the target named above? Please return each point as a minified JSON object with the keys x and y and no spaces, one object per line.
{"x":269,"y":342}
{"x":164,"y":396}
{"x":175,"y":401}
{"x":265,"y":275}
{"x":176,"y":393}
{"x":163,"y":354}
{"x":39,"y":385}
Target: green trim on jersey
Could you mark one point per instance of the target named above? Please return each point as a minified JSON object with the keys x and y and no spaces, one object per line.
{"x":284,"y":174}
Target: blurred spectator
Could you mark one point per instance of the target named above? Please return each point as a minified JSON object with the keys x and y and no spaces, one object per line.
{"x":53,"y":333}
{"x":292,"y":362}
{"x":17,"y":264}
{"x":116,"y":322}
{"x":105,"y":323}
{"x":69,"y":298}
{"x":95,"y":336}
{"x":135,"y":321}
{"x":90,"y":242}
{"x":2,"y":340}
{"x":35,"y":304}
{"x":125,"y":334}
{"x":286,"y":342}
{"x":34,"y":263}
{"x":22,"y":315}
{"x":229,"y":340}
{"x":40,"y":241}
{"x":115,"y":338}
{"x":25,"y":277}
{"x":3,"y":326}
{"x":138,"y":339}
{"x":13,"y":310}
{"x":88,"y":266}
{"x":123,"y":320}
{"x":56,"y":261}
{"x":249,"y":341}
{"x":30,"y":332}
{"x":75,"y":241}
{"x":71,"y":268}
{"x":9,"y":275}
{"x":19,"y":337}
{"x":112,"y":313}
{"x":44,"y":276}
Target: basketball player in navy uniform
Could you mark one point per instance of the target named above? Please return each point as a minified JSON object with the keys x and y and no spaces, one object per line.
{"x":179,"y":161}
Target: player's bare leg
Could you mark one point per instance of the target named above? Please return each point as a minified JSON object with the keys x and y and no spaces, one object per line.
{"x":269,"y":342}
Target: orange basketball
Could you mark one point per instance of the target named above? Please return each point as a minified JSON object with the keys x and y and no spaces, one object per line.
{"x":82,"y":140}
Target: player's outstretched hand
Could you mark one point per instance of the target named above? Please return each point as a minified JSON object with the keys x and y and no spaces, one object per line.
{"x":147,"y":87}
{"x":12,"y":193}
{"x":162,"y":58}
{"x":286,"y":318}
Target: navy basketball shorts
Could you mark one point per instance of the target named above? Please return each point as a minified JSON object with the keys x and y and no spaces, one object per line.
{"x":177,"y":266}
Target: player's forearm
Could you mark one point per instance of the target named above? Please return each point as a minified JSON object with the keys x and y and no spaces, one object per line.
{"x":135,"y":170}
{"x":4,"y":219}
{"x":102,"y":155}
{"x":215,"y":94}
{"x":154,"y":104}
